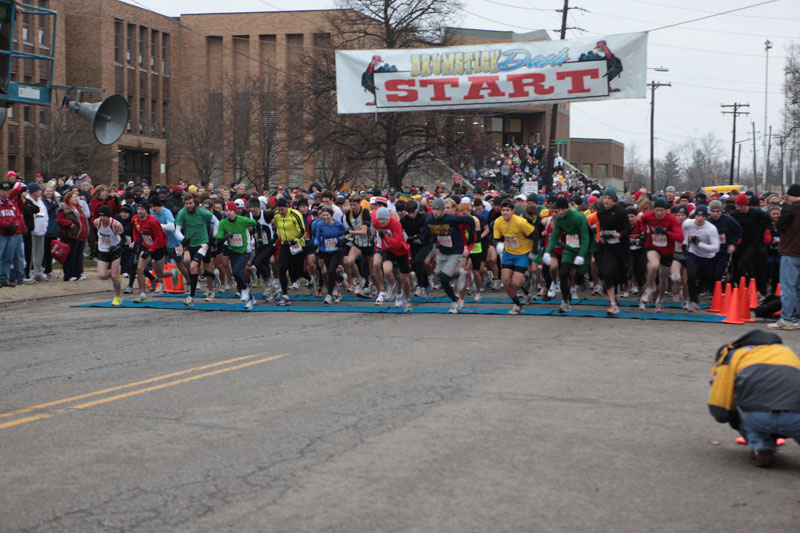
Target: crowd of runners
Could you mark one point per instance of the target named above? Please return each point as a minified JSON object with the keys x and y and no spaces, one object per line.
{"x":388,"y":246}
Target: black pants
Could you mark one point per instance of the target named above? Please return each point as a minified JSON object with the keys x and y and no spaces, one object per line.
{"x":28,"y":242}
{"x":332,"y":261}
{"x":261,"y":261}
{"x":612,"y":263}
{"x":73,"y":267}
{"x":638,"y":266}
{"x":751,"y":262}
{"x":289,"y":266}
{"x":563,"y":275}
{"x":699,"y":270}
{"x":47,"y":260}
{"x":722,"y":262}
{"x":418,"y":253}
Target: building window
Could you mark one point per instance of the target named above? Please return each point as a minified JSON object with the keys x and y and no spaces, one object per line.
{"x":10,"y":114}
{"x":164,"y":118}
{"x":26,"y":36}
{"x":12,"y":162}
{"x":153,"y":117}
{"x":130,"y":43}
{"x":142,"y":114}
{"x":602,"y":170}
{"x":165,"y":54}
{"x":43,"y":118}
{"x":118,"y":41}
{"x":142,"y":45}
{"x":586,"y":168}
{"x":26,"y":114}
{"x":12,"y":140}
{"x":153,"y":50}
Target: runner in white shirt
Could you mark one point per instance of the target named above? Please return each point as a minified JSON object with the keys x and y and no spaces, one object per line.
{"x":109,"y":250}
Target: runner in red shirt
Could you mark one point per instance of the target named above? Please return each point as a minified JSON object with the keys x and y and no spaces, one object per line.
{"x":663,"y":230}
{"x":153,"y":245}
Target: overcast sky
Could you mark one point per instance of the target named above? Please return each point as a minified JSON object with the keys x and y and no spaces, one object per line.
{"x":718,"y":60}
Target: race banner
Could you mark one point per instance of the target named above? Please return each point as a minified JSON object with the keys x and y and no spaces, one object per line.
{"x":492,"y":75}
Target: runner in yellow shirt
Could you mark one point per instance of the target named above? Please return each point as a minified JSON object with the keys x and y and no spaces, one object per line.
{"x":517,"y":236}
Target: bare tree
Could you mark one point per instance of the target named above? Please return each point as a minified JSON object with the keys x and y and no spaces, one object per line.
{"x":267,"y":147}
{"x":399,"y":140}
{"x":64,"y":142}
{"x":704,"y":161}
{"x":198,"y":129}
{"x":635,"y":169}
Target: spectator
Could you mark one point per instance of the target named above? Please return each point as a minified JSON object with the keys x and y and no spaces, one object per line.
{"x":38,"y":230}
{"x":74,"y":227}
{"x":51,"y":204}
{"x":789,"y":249}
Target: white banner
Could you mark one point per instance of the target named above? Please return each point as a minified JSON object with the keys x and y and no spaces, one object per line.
{"x":492,"y":75}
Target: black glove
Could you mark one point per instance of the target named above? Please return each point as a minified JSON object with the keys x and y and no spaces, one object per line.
{"x":381,"y":233}
{"x":661,"y":231}
{"x":145,"y":253}
{"x":11,"y":230}
{"x":227,"y":237}
{"x":642,"y":239}
{"x":694,"y":240}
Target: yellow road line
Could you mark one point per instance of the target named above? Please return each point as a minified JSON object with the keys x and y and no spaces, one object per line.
{"x":126,"y":386}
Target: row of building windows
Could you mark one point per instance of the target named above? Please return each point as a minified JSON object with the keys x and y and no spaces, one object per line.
{"x":157,"y":60}
{"x":147,"y":123}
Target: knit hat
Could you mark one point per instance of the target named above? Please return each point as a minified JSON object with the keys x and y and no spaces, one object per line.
{"x":611,"y":191}
{"x":701,"y":209}
{"x":231,"y":206}
{"x":383,"y":213}
{"x":661,"y":202}
{"x":438,"y":204}
{"x":716,"y":204}
{"x":561,"y":203}
{"x":104,"y":211}
{"x":753,"y":201}
{"x":794,"y":190}
{"x":682,"y":209}
{"x":742,"y":199}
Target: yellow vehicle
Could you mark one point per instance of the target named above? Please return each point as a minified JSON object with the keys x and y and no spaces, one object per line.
{"x":722,"y":189}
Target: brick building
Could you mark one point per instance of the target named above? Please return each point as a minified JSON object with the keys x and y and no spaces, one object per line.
{"x":168,"y":68}
{"x":603,"y":159}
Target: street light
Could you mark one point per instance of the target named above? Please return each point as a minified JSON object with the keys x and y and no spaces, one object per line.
{"x":767,"y":46}
{"x":653,"y":86}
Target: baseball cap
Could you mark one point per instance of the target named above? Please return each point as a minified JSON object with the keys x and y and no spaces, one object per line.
{"x":231,"y":206}
{"x":239,"y":202}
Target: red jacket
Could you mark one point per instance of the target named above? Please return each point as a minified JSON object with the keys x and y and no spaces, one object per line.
{"x":663,"y":244}
{"x":16,"y":197}
{"x":9,"y":214}
{"x":67,"y":218}
{"x":153,"y":237}
{"x":392,"y":240}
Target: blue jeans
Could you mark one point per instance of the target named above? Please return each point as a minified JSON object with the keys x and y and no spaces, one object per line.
{"x":760,"y":428}
{"x":238,"y":262}
{"x":18,"y":265}
{"x":790,"y":285}
{"x":8,"y":246}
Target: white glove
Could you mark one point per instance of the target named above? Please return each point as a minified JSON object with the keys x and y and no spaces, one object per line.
{"x":500,"y":247}
{"x":546,"y":259}
{"x":578,"y":261}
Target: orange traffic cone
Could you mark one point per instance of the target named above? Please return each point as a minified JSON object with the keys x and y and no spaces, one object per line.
{"x":752,"y":293}
{"x":744,"y":307}
{"x":172,"y":288}
{"x":716,"y":301}
{"x":726,"y":301}
{"x":778,"y":290}
{"x":733,"y":316}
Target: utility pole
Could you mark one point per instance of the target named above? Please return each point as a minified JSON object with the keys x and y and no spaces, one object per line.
{"x":653,"y":86}
{"x":738,"y":162}
{"x":755,"y":170}
{"x":735,"y":114}
{"x":767,"y":46}
{"x":551,"y":149}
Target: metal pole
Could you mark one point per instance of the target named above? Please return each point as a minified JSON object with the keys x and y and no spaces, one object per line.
{"x":783,"y":167}
{"x":755,"y":170}
{"x":554,"y":112}
{"x":738,"y":163}
{"x":652,"y":143}
{"x":767,"y":46}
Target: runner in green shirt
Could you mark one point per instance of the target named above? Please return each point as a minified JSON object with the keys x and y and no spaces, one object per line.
{"x":233,"y":230}
{"x":194,"y":220}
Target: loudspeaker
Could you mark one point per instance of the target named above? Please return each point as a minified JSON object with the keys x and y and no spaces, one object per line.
{"x":108,"y":118}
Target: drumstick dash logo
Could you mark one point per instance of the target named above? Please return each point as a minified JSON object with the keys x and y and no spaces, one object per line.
{"x":368,"y":77}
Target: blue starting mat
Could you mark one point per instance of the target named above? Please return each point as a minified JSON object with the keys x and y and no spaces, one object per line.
{"x":444,"y":300}
{"x":321,"y":308}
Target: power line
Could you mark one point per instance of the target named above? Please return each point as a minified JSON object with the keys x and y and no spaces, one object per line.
{"x":714,"y":15}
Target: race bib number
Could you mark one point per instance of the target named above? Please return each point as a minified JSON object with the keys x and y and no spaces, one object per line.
{"x":236,"y":240}
{"x":105,"y":240}
{"x":148,"y":240}
{"x":330,"y":244}
{"x":678,"y":247}
{"x":295,"y":249}
{"x":445,"y":241}
{"x":203,"y":250}
{"x":179,"y":250}
{"x":512,"y":242}
{"x":573,"y":241}
{"x":659,"y":240}
{"x":722,"y":238}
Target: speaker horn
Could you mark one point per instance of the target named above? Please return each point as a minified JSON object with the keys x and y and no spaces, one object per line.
{"x":108,"y":118}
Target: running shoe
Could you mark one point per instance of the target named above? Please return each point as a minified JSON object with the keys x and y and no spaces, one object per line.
{"x":124,"y":275}
{"x":249,"y":304}
{"x":454,"y":309}
{"x":82,"y":277}
{"x":128,"y":290}
{"x":159,"y":287}
{"x":174,"y":273}
{"x":398,"y":302}
{"x":634,"y":290}
{"x":528,"y":298}
{"x":284,"y":300}
{"x":551,"y":292}
{"x":408,"y":307}
{"x":392,"y":291}
{"x":517,"y":309}
{"x":117,"y":301}
{"x":381,"y":298}
{"x":497,"y":285}
{"x":189,"y":301}
{"x":541,"y":292}
{"x":141,"y":300}
{"x":460,"y":304}
{"x":564,"y":307}
{"x":427,"y":291}
{"x":784,"y":324}
{"x":573,"y":293}
{"x":245,"y":294}
{"x":626,"y":294}
{"x":294,"y":286}
{"x":418,"y":292}
{"x":209,"y":297}
{"x":267,"y":292}
{"x":478,"y":296}
{"x":328,"y":300}
{"x":692,"y":307}
{"x":612,"y":310}
{"x":659,"y":305}
{"x":53,"y":275}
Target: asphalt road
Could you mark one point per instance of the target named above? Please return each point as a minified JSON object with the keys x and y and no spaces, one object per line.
{"x":158,"y":420}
